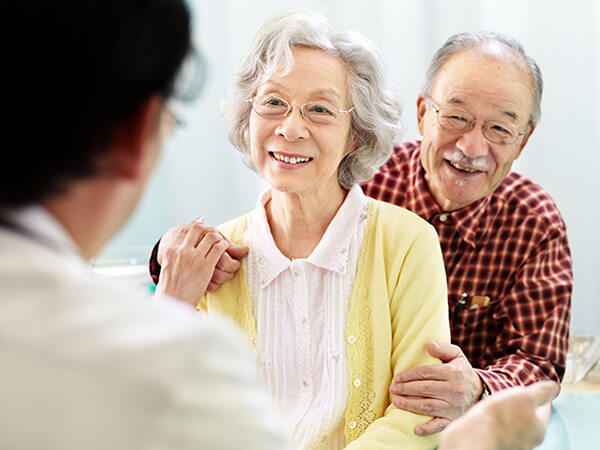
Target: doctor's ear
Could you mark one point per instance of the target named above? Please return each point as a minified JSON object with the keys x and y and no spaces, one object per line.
{"x":130,"y":142}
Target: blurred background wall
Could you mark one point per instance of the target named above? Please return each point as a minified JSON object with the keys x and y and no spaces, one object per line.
{"x":201,"y":174}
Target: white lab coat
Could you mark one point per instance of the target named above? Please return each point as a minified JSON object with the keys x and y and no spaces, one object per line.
{"x":89,"y":365}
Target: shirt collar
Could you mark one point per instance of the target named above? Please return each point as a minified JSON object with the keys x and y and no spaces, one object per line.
{"x":331,"y":252}
{"x":40,"y":222}
{"x":471,"y":222}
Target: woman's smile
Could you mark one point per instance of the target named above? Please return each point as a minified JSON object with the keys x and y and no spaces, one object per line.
{"x":289,"y":161}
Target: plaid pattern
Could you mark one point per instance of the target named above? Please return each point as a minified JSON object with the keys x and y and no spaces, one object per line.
{"x":510,"y":246}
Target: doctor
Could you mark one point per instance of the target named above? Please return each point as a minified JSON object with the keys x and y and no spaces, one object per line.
{"x":85,"y":364}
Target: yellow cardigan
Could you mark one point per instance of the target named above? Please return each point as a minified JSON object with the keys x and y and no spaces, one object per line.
{"x":398,"y":304}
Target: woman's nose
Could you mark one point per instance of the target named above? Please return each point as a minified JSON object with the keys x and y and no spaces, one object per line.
{"x":293,"y":126}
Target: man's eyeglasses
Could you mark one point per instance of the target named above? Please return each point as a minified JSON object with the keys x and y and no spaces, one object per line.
{"x":170,"y":122}
{"x":457,"y":121}
{"x":320,"y":113}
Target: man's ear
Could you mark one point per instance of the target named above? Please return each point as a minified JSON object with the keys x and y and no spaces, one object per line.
{"x":132,"y":140}
{"x":526,"y":137}
{"x":421,"y":110}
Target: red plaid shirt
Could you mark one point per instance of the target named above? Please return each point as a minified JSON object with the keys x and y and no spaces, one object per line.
{"x":510,"y":246}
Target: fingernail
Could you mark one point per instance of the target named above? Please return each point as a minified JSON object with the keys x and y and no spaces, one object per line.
{"x":419,"y":432}
{"x":200,"y":219}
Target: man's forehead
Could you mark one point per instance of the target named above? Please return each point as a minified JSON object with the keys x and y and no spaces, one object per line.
{"x":490,"y":78}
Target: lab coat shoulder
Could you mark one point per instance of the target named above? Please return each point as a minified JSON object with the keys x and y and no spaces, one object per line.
{"x":97,"y":365}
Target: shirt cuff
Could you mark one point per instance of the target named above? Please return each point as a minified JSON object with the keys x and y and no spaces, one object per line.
{"x":153,"y":265}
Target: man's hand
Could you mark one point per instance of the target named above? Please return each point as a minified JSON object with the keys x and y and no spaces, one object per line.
{"x":193,"y":260}
{"x":513,"y":419}
{"x":443,"y":391}
{"x":228,"y":263}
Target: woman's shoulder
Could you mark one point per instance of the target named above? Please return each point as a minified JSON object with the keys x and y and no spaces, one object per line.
{"x":397,"y":219}
{"x":234,"y":228}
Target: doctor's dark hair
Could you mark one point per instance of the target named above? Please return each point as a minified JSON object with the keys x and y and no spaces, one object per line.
{"x":75,"y":72}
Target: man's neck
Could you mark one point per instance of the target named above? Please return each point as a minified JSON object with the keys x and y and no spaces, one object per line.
{"x":91,"y":212}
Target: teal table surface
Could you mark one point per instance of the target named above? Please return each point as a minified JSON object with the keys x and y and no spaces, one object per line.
{"x":575,"y":423}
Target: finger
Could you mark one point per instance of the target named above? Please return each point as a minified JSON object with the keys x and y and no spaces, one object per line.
{"x":423,"y":406}
{"x":219,"y":277}
{"x":543,"y":391}
{"x":212,"y":287}
{"x":544,"y":413}
{"x":195,"y":233}
{"x":228,"y":264}
{"x":444,"y":351}
{"x":425,"y":389}
{"x":206,"y":244}
{"x":215,"y":252}
{"x":435,"y":425}
{"x":237,"y":251}
{"x":430,"y":372}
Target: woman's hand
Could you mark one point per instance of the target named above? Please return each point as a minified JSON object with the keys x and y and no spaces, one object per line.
{"x":194,"y":259}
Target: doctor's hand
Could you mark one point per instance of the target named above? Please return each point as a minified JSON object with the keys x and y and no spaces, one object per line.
{"x":512,"y":419}
{"x":193,"y":260}
{"x":444,"y":391}
{"x":228,"y":263}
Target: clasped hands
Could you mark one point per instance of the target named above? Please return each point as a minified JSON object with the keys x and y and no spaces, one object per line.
{"x":196,"y":258}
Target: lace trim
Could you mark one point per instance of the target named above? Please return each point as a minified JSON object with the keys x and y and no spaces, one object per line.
{"x":360,"y":412}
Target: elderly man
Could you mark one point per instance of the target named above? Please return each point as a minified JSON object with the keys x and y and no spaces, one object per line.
{"x":503,"y":239}
{"x":84,"y":363}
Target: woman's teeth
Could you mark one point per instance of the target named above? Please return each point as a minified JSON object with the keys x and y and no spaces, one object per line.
{"x":459,"y":167}
{"x":292,"y":160}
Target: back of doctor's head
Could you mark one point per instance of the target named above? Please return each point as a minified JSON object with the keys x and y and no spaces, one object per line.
{"x":74,"y":72}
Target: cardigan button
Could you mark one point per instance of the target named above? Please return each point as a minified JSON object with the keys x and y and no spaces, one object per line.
{"x":351,"y":339}
{"x":356,"y":383}
{"x":352,"y":424}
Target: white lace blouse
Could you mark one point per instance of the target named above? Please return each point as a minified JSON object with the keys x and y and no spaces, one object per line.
{"x":300,"y":307}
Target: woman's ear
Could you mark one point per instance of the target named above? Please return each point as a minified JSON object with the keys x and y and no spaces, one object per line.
{"x":352,"y":143}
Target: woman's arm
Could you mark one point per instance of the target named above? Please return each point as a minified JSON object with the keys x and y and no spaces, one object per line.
{"x":419,"y":314}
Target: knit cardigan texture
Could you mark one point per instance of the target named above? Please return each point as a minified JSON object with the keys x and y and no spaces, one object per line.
{"x":398,"y":304}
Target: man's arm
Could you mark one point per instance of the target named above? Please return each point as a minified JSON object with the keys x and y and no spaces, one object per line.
{"x":536,"y":312}
{"x":531,"y":347}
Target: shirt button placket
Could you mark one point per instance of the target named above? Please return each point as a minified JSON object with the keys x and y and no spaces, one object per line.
{"x":302,"y":329}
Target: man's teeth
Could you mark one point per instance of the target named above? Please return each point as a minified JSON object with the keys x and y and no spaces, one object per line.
{"x":459,"y":167}
{"x":292,"y":160}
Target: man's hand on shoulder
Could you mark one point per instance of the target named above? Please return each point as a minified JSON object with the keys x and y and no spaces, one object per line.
{"x":196,"y":258}
{"x":444,"y":391}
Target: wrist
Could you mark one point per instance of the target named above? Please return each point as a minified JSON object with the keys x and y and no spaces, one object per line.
{"x":480,"y":388}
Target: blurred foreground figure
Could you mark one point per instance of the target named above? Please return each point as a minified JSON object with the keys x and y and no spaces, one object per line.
{"x":85,"y":364}
{"x":512,"y":419}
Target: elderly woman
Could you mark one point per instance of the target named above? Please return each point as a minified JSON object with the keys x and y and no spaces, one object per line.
{"x":338,"y":291}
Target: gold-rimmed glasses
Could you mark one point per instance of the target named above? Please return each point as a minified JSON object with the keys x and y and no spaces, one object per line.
{"x":318,"y":112}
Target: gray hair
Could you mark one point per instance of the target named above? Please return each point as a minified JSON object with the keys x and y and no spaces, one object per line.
{"x":375,"y":119}
{"x":477,"y":40}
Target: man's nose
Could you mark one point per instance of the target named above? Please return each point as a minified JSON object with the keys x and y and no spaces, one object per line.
{"x":293,"y":126}
{"x":472,"y":143}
